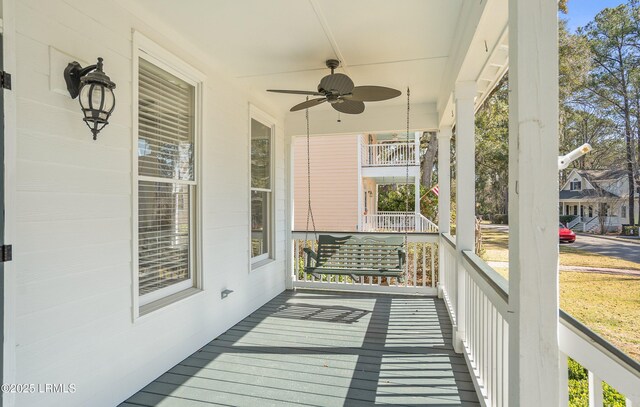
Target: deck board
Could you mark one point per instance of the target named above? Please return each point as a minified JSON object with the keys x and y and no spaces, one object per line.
{"x":318,"y":348}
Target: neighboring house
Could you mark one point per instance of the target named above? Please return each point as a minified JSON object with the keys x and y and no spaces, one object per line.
{"x":598,"y":198}
{"x":346,"y":171}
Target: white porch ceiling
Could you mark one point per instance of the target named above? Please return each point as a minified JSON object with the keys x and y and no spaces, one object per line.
{"x":282,"y":44}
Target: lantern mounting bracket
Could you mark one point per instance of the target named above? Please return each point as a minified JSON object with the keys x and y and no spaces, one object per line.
{"x":72,"y":74}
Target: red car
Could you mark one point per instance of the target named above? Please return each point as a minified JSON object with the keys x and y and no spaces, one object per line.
{"x":566,"y":235}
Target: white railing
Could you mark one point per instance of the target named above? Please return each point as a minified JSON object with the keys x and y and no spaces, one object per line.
{"x":426,"y":225}
{"x":603,"y":361}
{"x":485,"y":342}
{"x":389,"y":222}
{"x":390,"y":154}
{"x":421,"y":266}
{"x":397,"y":222}
{"x":590,"y":224}
{"x":574,"y":222}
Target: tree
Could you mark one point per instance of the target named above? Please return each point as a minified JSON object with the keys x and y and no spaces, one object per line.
{"x":492,"y":152}
{"x":612,"y":38}
{"x":427,"y":159}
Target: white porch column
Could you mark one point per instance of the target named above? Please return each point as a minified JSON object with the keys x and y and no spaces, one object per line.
{"x":444,"y":179}
{"x":465,"y":93}
{"x":289,"y":217}
{"x":533,"y":199}
{"x":444,"y":194}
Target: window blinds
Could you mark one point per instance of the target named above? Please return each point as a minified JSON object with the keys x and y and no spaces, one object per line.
{"x":165,"y":178}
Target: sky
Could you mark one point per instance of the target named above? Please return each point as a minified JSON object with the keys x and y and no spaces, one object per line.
{"x":583,"y":11}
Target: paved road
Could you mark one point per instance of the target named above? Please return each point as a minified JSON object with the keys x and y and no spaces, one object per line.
{"x":620,"y":248}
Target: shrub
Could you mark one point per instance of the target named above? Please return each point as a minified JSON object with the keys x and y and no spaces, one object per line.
{"x":566,"y":218}
{"x":579,"y":388}
{"x":500,"y":219}
{"x":629,"y":230}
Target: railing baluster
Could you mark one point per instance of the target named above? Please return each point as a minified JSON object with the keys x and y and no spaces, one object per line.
{"x":595,"y":391}
{"x":424,"y":263}
{"x":415,"y":265}
{"x":433,"y":251}
{"x":564,"y":378}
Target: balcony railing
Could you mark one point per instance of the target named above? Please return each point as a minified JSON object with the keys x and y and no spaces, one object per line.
{"x":389,"y":154}
{"x":486,"y":324}
{"x":397,"y":222}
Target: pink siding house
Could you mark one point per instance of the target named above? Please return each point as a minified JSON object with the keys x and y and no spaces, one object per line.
{"x":346,"y":171}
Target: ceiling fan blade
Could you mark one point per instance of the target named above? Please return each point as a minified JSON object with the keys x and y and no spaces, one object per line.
{"x":296,"y":92}
{"x":372,"y":93}
{"x":349,"y":106}
{"x":336,"y":83}
{"x":307,"y":104}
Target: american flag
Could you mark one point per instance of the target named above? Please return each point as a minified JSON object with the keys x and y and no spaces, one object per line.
{"x":435,"y":190}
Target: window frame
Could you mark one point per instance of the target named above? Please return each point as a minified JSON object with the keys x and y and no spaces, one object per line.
{"x":155,"y":54}
{"x":268,"y":121}
{"x":575,"y":182}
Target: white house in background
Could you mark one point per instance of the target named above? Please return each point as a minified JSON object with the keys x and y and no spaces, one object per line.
{"x":133,"y":251}
{"x":597,"y":198}
{"x":346,"y":171}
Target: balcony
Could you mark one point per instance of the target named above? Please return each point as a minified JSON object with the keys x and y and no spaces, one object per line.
{"x":385,"y":221}
{"x":390,"y":154}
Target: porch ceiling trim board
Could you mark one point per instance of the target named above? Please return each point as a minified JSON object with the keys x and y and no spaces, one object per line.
{"x":533,"y":203}
{"x":478,"y":48}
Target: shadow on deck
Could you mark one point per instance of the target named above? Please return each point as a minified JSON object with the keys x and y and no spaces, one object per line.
{"x":324,"y":349}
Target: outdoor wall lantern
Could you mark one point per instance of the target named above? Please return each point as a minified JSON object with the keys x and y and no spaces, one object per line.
{"x":96,"y":93}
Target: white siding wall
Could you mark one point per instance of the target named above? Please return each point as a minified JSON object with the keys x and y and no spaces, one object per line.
{"x":72,"y":253}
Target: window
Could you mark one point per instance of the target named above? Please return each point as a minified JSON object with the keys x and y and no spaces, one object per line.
{"x":261,"y":189}
{"x":576,"y":185}
{"x":623,"y":211}
{"x":166,"y":181}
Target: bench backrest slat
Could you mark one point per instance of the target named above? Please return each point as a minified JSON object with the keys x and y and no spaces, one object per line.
{"x":357,"y":253}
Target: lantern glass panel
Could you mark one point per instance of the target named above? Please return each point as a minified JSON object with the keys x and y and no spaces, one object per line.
{"x":109,"y":100}
{"x":96,"y":96}
{"x":84,"y":96}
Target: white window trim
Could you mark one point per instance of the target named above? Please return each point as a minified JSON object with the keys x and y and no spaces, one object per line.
{"x":266,"y":258}
{"x":147,"y":49}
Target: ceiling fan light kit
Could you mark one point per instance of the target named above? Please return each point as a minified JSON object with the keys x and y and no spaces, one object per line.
{"x":341,"y":93}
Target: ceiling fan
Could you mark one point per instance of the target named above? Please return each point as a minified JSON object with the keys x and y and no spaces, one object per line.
{"x":338,"y":89}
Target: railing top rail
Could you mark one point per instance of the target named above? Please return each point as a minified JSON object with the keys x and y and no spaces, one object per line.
{"x":449,"y":239}
{"x":498,"y":283}
{"x":400,"y":143}
{"x":429,"y":237}
{"x":342,"y":232}
{"x":607,"y":347}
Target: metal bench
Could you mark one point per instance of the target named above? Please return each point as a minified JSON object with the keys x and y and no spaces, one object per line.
{"x":357,"y":257}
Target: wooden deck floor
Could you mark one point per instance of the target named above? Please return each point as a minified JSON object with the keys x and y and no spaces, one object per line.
{"x":324,"y":349}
